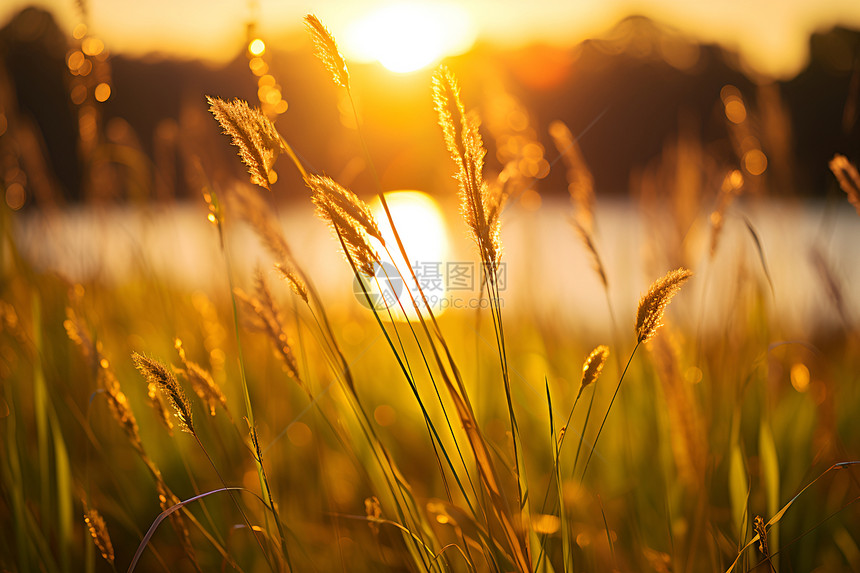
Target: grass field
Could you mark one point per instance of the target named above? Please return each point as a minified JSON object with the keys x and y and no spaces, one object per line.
{"x":259,"y":422}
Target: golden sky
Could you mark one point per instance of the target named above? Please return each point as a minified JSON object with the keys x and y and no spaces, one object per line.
{"x":771,"y":35}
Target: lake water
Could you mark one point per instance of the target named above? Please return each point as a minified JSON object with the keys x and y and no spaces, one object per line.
{"x":548,"y":272}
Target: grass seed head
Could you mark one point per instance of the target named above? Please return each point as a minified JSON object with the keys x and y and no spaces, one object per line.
{"x":579,"y":177}
{"x":593,"y":366}
{"x":480,"y":207}
{"x":326,"y":50}
{"x":155,"y":373}
{"x":252,"y":132}
{"x":98,"y":531}
{"x":201,"y":381}
{"x":350,"y":218}
{"x":653,"y":304}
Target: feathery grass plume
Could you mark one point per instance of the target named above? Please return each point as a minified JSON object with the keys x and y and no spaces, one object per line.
{"x":653,"y":304}
{"x":201,"y":381}
{"x":117,"y":400}
{"x":154,"y":372}
{"x":78,"y":334}
{"x":580,"y":180}
{"x":328,"y":190}
{"x":593,"y":366}
{"x":848,"y":177}
{"x":98,"y":531}
{"x":350,"y":218}
{"x":326,"y":50}
{"x":268,"y":320}
{"x":118,"y":403}
{"x":480,"y":207}
{"x":297,"y":285}
{"x":596,"y":261}
{"x":254,"y":211}
{"x":252,"y":132}
{"x":156,"y":401}
{"x":274,"y":328}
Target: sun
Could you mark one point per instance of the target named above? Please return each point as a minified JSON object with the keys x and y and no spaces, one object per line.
{"x":409,"y":36}
{"x":421,"y":226}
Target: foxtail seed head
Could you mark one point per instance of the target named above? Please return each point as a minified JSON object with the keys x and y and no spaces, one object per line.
{"x":653,"y":304}
{"x":593,"y":366}
{"x":154,"y":372}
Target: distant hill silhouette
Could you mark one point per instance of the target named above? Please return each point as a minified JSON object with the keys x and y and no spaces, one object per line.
{"x":627,"y":93}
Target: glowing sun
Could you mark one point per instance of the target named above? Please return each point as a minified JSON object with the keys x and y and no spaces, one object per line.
{"x":405,"y":37}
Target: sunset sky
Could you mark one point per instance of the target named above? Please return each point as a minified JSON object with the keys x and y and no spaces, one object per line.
{"x":771,"y":35}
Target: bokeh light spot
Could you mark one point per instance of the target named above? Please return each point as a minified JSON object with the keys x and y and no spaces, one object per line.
{"x":755,"y":161}
{"x":16,"y":196}
{"x":80,"y":31}
{"x":102,"y":92}
{"x":800,"y":377}
{"x":92,"y":46}
{"x":736,"y":112}
{"x":384,"y":415}
{"x":257,"y":47}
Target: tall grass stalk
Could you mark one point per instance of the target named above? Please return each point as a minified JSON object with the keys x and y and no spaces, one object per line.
{"x":328,"y":52}
{"x":216,"y":213}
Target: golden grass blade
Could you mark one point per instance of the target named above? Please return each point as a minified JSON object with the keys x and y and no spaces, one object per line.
{"x":326,"y":50}
{"x":252,"y":132}
{"x":779,"y":515}
{"x":156,"y":373}
{"x":848,"y":177}
{"x":760,"y":251}
{"x":653,"y":304}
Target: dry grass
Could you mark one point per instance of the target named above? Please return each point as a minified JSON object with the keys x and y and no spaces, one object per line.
{"x":652,"y":305}
{"x":422,"y":445}
{"x":481,"y":210}
{"x":155,"y":373}
{"x":326,"y":49}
